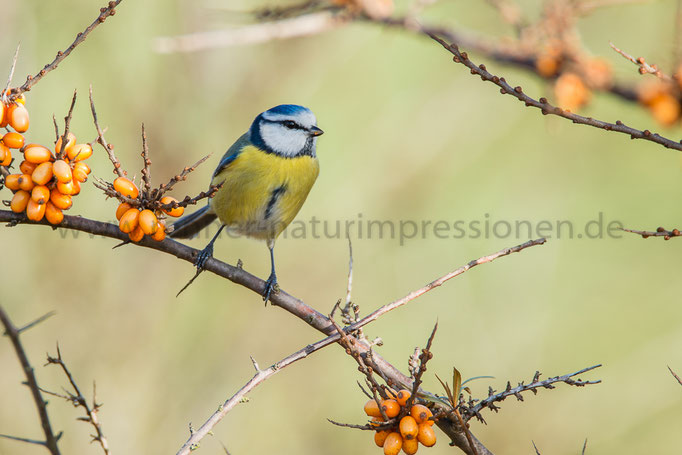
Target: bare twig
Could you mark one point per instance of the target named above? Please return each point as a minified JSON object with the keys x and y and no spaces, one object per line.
{"x":78,"y":400}
{"x":13,"y":333}
{"x":100,"y":140}
{"x":67,"y":122}
{"x":3,"y":96}
{"x":309,"y":24}
{"x":544,"y":105}
{"x":474,"y":409}
{"x":105,"y":12}
{"x":644,"y":67}
{"x":660,"y":232}
{"x":675,"y":375}
{"x":147,"y":169}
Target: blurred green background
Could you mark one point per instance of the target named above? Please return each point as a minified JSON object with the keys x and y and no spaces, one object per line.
{"x":409,"y":136}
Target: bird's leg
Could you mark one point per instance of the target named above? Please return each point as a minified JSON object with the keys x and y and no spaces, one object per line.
{"x":271,"y":283}
{"x":207,"y":253}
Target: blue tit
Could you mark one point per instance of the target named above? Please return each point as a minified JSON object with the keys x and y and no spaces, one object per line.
{"x":265,"y":176}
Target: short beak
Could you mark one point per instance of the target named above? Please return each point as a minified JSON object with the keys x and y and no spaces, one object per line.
{"x":315,"y":131}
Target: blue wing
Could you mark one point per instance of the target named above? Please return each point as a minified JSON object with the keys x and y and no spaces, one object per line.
{"x":232,"y":153}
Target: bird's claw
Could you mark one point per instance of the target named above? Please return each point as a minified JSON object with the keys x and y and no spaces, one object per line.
{"x":271,"y":287}
{"x":203,"y":256}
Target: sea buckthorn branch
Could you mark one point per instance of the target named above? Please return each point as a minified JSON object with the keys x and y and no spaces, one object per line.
{"x":542,"y":104}
{"x":61,"y":153}
{"x":660,"y":232}
{"x":14,"y":333}
{"x":644,"y":67}
{"x":474,"y":407}
{"x":109,"y":148}
{"x":679,"y":380}
{"x":105,"y":12}
{"x":78,"y":400}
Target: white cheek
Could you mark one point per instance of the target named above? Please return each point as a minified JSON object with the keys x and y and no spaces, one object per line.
{"x":283,"y":140}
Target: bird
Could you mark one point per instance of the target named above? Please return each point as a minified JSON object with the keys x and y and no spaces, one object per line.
{"x":264,"y":178}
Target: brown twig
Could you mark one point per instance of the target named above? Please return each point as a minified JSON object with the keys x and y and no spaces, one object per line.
{"x":101,"y":141}
{"x":660,"y":232}
{"x":4,"y":96}
{"x":105,"y":12}
{"x":67,"y":122}
{"x":13,"y":333}
{"x":164,"y":188}
{"x":474,"y":409}
{"x":675,"y":375}
{"x":147,"y":169}
{"x":644,"y":67}
{"x":545,"y":107}
{"x":78,"y":400}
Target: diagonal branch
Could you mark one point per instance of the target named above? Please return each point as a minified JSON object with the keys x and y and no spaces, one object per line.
{"x":13,"y":333}
{"x":105,"y":12}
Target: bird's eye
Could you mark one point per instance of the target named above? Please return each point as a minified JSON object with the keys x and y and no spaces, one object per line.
{"x":290,"y":124}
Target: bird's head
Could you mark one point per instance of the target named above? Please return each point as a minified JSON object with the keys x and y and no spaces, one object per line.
{"x":287,"y":130}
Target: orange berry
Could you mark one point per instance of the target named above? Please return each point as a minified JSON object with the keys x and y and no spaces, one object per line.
{"x":122,"y":208}
{"x":70,"y":142}
{"x":61,"y":201}
{"x":148,"y":222}
{"x":80,"y":173}
{"x":547,"y":64}
{"x":176,"y":211}
{"x":426,"y":435}
{"x":160,"y":233}
{"x":76,"y":187}
{"x":4,"y":117}
{"x":126,"y":187}
{"x":410,"y":446}
{"x":571,"y":92}
{"x":53,"y":214}
{"x":67,"y":188}
{"x":18,"y":117}
{"x":80,"y":152}
{"x":402,"y":397}
{"x":408,"y":427}
{"x":21,"y":99}
{"x":371,"y":408}
{"x":421,"y":414}
{"x":42,"y":174}
{"x":665,"y":108}
{"x":20,"y":201}
{"x":598,"y":73}
{"x":393,"y":444}
{"x":12,"y":181}
{"x":129,"y":220}
{"x":27,"y":168}
{"x":391,"y":408}
{"x":137,"y":234}
{"x":62,"y":171}
{"x":35,"y":211}
{"x":40,"y":194}
{"x":25,"y":182}
{"x":82,"y":166}
{"x":13,"y":140}
{"x":380,"y":437}
{"x":34,"y":153}
{"x":5,"y":155}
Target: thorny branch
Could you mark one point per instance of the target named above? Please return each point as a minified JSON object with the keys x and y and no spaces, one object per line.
{"x":109,"y":148}
{"x":105,"y":12}
{"x":13,"y":333}
{"x":473,"y":409}
{"x":660,"y":232}
{"x":78,"y":400}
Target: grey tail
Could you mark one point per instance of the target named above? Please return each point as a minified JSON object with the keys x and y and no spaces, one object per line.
{"x":190,"y":225}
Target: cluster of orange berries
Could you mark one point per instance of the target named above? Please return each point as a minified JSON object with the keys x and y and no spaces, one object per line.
{"x":137,"y":221}
{"x":412,"y":426}
{"x":47,"y":182}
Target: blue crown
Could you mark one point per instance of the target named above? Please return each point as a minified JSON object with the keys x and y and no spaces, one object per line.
{"x":287,"y":109}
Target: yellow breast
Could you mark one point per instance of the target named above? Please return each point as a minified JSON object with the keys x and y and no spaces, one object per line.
{"x":263,"y":192}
